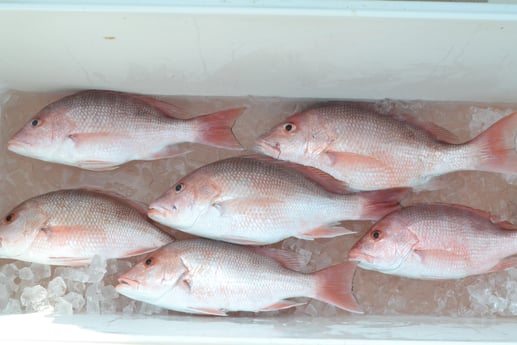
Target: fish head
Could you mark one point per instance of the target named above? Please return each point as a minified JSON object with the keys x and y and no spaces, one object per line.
{"x":19,"y":228}
{"x":386,"y":246}
{"x":296,"y":139}
{"x":154,"y":276}
{"x":186,"y":201}
{"x":42,"y":136}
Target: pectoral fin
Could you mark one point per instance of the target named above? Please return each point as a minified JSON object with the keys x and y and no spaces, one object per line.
{"x":355,"y":161}
{"x":69,"y":261}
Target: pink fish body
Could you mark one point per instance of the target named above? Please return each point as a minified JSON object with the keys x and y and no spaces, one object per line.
{"x":70,"y":227}
{"x":437,"y":241}
{"x":256,"y":201}
{"x":369,"y":151}
{"x":100,"y":130}
{"x":209,"y":277}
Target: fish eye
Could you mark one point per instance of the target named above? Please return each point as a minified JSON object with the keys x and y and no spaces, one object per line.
{"x":148,"y":262}
{"x":289,"y":127}
{"x":376,"y":235}
{"x":35,"y":122}
{"x":179,"y":187}
{"x":9,"y":218}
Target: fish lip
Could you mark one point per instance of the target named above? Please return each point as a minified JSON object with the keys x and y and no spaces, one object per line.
{"x":14,"y":144}
{"x":156,"y":212}
{"x":127,"y":282}
{"x":265,"y":147}
{"x":357,"y":256}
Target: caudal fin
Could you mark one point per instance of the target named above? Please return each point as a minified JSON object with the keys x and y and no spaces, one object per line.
{"x":216,"y":129}
{"x":334,"y":286}
{"x":497,"y":146}
{"x":377,"y":204}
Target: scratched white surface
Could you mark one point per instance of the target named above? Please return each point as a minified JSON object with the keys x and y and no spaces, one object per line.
{"x":338,"y":49}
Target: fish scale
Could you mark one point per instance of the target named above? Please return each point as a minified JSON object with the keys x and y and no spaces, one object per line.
{"x":437,"y":241}
{"x":99,"y":130}
{"x":255,"y":200}
{"x":209,"y":277}
{"x":370,"y":151}
{"x":71,"y":226}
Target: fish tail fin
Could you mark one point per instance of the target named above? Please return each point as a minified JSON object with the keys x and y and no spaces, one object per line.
{"x":216,"y":129}
{"x":496,"y":147}
{"x":334,"y":286}
{"x":379,"y":203}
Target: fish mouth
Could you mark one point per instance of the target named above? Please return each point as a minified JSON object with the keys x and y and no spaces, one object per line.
{"x":157,"y":212}
{"x":125,"y":282}
{"x":358,"y":256}
{"x":263,"y":146}
{"x":16,"y":145}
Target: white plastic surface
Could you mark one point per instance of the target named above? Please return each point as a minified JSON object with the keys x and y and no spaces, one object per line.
{"x":338,"y":49}
{"x":88,"y":329}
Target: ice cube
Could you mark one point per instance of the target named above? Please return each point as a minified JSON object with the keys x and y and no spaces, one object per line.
{"x":130,"y":308}
{"x":108,"y":307}
{"x":76,"y":286}
{"x":56,"y":287}
{"x":97,"y":269}
{"x":150,"y":309}
{"x":118,"y":266}
{"x":310,"y":310}
{"x":4,"y":295}
{"x":92,"y":299}
{"x":76,"y":300}
{"x":26,"y":273}
{"x":10,"y":271}
{"x":40,"y":271}
{"x":13,"y":307}
{"x":63,"y":307}
{"x":75,"y":274}
{"x":108,"y":292}
{"x":93,"y":306}
{"x":34,"y":298}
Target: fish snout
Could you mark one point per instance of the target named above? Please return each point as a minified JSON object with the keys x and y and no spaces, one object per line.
{"x":15,"y":145}
{"x":267,"y":148}
{"x":355,"y":254}
{"x":158,"y":212}
{"x":125,"y":282}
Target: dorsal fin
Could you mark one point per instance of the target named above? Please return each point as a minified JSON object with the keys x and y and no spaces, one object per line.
{"x":436,"y":131}
{"x":287,"y":259}
{"x":167,"y":109}
{"x":504,"y":225}
{"x":326,"y":181}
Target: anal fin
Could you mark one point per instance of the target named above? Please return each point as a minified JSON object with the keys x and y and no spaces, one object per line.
{"x":168,"y":152}
{"x":208,"y":311}
{"x":283,"y":304}
{"x":97,"y":165}
{"x":505,"y":264}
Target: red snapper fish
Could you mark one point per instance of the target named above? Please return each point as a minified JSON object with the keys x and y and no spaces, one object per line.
{"x":70,"y":227}
{"x":259,"y":200}
{"x":437,"y":241}
{"x":100,"y":130}
{"x":369,"y":151}
{"x":212,"y":278}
